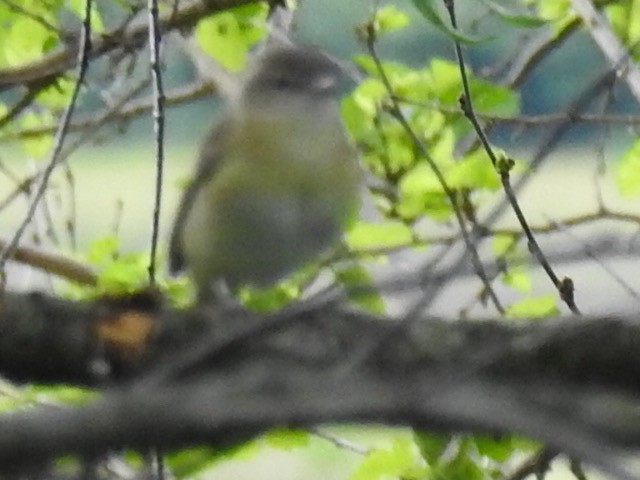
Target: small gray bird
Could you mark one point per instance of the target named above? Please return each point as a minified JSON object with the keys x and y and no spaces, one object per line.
{"x":277,"y":181}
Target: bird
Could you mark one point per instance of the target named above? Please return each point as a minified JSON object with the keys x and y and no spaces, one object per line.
{"x":277,"y":181}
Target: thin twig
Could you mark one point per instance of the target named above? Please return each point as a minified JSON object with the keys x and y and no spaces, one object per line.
{"x":26,"y":100}
{"x":70,"y":223}
{"x":201,"y":88}
{"x":48,"y":217}
{"x":534,"y":53}
{"x":155,"y":37}
{"x":340,"y":442}
{"x":413,"y":312}
{"x":537,"y":464}
{"x":592,"y":255}
{"x":23,"y":188}
{"x":133,"y":108}
{"x":515,"y":78}
{"x":158,"y":126}
{"x":82,"y":65}
{"x":564,"y":286}
{"x":541,"y":119}
{"x":576,"y":469}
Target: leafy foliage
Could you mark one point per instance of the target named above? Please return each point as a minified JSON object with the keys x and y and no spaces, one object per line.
{"x":401,"y":459}
{"x":227,"y":36}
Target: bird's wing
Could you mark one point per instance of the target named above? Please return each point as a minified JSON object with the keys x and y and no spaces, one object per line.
{"x":211,"y":154}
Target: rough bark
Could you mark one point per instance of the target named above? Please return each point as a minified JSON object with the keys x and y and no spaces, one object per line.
{"x":175,"y":378}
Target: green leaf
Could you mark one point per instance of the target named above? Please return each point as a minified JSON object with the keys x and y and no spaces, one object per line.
{"x":498,"y":448}
{"x":189,"y":462}
{"x":398,"y":154}
{"x":627,"y":171}
{"x":518,"y":278}
{"x":431,"y":445}
{"x":430,"y":125}
{"x":180,"y":291}
{"x":402,"y":459}
{"x":286,"y":439}
{"x":618,"y":16}
{"x":118,"y":272}
{"x":538,"y":307}
{"x":632,"y":37}
{"x":126,"y":274}
{"x":78,"y":7}
{"x":12,"y":397}
{"x":492,"y":99}
{"x":56,"y":97}
{"x":361,"y":106}
{"x":406,"y":82}
{"x":26,"y":40}
{"x":274,"y":298}
{"x":66,"y":394}
{"x":503,"y":243}
{"x":359,"y":286}
{"x":420,"y":193}
{"x":447,"y":85}
{"x":269,"y":299}
{"x":391,"y":69}
{"x":428,"y":11}
{"x":389,"y":18}
{"x":474,"y":171}
{"x":227,"y":36}
{"x":103,"y":250}
{"x":368,"y":236}
{"x":8,"y":403}
{"x":488,"y":98}
{"x":554,"y":9}
{"x":39,"y":145}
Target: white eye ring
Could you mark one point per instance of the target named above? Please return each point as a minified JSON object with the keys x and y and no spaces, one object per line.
{"x":324,"y":83}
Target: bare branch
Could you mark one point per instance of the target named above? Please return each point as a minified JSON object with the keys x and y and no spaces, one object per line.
{"x":53,"y":263}
{"x":158,"y":127}
{"x":124,"y":111}
{"x":83,"y":63}
{"x":617,"y":56}
{"x":564,"y":286}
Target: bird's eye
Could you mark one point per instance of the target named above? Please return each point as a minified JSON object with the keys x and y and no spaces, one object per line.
{"x":281,"y":83}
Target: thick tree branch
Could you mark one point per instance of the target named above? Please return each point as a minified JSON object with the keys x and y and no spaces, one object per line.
{"x":224,"y":412}
{"x":570,"y":383}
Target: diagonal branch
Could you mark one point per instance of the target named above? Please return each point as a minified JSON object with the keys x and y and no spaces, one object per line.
{"x":502,"y":166}
{"x":616,"y":54}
